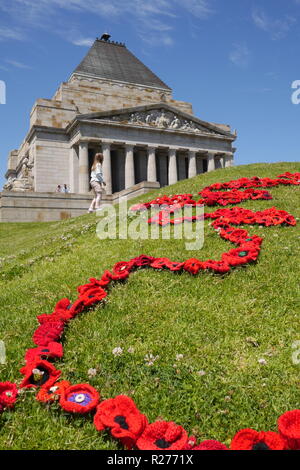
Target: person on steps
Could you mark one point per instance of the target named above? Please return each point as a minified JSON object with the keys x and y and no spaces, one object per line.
{"x":97,"y":182}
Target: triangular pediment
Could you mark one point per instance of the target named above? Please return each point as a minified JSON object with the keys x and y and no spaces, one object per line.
{"x":160,"y":116}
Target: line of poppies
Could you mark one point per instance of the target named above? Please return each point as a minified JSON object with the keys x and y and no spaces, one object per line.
{"x":120,"y":415}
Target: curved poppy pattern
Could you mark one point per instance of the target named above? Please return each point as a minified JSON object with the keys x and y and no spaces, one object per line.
{"x":81,"y":398}
{"x":120,"y":415}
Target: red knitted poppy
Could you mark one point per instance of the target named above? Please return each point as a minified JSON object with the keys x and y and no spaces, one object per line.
{"x":8,"y":394}
{"x":53,"y":350}
{"x":81,"y":398}
{"x":47,"y":333}
{"x":249,"y":439}
{"x":162,"y":435}
{"x":53,"y":393}
{"x":122,"y":417}
{"x":289,"y":428}
{"x":48,"y":377}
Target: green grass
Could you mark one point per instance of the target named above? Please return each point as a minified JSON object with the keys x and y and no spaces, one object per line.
{"x":214,"y":321}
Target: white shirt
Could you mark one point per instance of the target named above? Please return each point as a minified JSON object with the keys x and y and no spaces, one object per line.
{"x":97,"y":171}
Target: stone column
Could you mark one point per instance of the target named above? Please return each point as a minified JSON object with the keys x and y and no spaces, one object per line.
{"x":192,"y":164}
{"x":172,"y":173}
{"x":129,"y":167}
{"x":151,"y":165}
{"x":107,"y":167}
{"x":73,"y":170}
{"x":228,"y":160}
{"x":211,"y":161}
{"x":83,"y":170}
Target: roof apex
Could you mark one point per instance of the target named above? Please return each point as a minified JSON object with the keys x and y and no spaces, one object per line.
{"x":113,"y":61}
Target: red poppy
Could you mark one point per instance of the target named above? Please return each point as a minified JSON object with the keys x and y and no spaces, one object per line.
{"x":246,"y":253}
{"x":53,"y":350}
{"x":94,"y":283}
{"x":174,"y":266}
{"x":63,"y":316}
{"x":53,"y":393}
{"x":122,"y":417}
{"x":62,"y":306}
{"x":159,"y":263}
{"x":142,"y":260}
{"x":220,"y":267}
{"x":289,"y":428}
{"x":81,"y":398}
{"x":122,"y":266}
{"x":76,"y":307}
{"x":47,"y":333}
{"x":93,"y":296}
{"x":8,"y":395}
{"x":162,"y":435}
{"x":39,"y":373}
{"x":249,"y":439}
{"x":193,"y":265}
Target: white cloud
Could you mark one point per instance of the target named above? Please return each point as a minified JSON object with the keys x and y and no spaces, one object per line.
{"x":10,"y":33}
{"x":276,"y":28}
{"x":82,"y":42}
{"x":198,"y":8}
{"x":17,"y":64}
{"x":240,"y":55}
{"x":149,"y":17}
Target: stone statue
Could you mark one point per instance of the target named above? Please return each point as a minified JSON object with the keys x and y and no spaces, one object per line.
{"x":175,"y":124}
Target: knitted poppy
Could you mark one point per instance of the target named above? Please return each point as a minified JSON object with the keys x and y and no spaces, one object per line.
{"x":162,"y":435}
{"x":122,"y":417}
{"x":122,"y":266}
{"x":220,"y":267}
{"x":93,"y":296}
{"x":159,"y":263}
{"x":174,"y":266}
{"x":53,"y":350}
{"x":39,"y":373}
{"x":142,"y":260}
{"x":289,"y":428}
{"x":8,"y":394}
{"x":81,"y":398}
{"x":242,"y":255}
{"x":193,"y":265}
{"x":249,"y":439}
{"x":62,"y":304}
{"x":53,"y":393}
{"x":91,"y":285}
{"x":47,"y":333}
{"x":76,"y":307}
{"x":62,"y":316}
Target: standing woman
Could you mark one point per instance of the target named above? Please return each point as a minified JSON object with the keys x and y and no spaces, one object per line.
{"x":97,"y":181}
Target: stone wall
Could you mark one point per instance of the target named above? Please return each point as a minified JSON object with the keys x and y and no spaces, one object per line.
{"x":83,"y":95}
{"x":45,"y":207}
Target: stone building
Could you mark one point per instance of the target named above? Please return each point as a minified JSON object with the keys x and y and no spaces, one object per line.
{"x":114,"y":104}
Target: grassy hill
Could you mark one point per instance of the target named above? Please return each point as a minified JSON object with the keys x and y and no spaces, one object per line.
{"x":222,"y":325}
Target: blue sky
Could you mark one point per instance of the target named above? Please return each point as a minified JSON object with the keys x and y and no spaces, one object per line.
{"x":234,"y":60}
